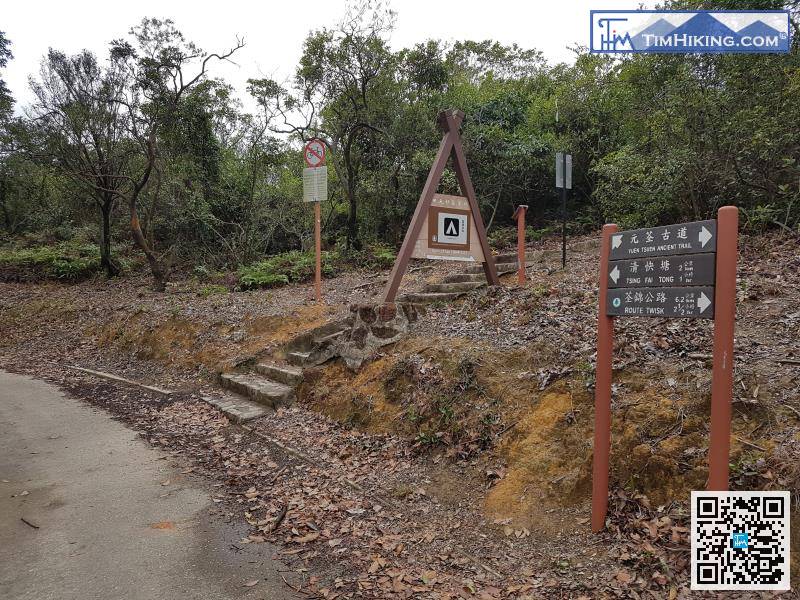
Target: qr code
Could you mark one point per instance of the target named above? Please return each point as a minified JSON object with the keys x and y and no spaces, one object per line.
{"x":740,"y":540}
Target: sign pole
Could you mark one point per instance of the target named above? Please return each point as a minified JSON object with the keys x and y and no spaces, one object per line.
{"x":602,"y":391}
{"x":724,"y":321}
{"x":318,"y":247}
{"x":315,"y":189}
{"x":519,"y":214}
{"x":564,"y":214}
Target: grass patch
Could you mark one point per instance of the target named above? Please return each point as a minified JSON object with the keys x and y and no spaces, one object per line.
{"x":67,"y":261}
{"x":284,"y":268}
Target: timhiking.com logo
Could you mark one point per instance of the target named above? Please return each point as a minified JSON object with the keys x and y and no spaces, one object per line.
{"x":627,"y":31}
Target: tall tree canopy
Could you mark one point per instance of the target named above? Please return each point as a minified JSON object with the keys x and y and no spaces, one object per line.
{"x":144,"y":140}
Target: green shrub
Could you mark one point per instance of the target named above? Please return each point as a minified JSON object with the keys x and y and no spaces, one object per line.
{"x":501,"y":238}
{"x":383,"y":256}
{"x":281,"y":269}
{"x":535,"y":235}
{"x":68,"y":261}
{"x":373,"y":255}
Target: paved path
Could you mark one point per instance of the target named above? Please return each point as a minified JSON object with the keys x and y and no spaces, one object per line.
{"x":110,"y":526}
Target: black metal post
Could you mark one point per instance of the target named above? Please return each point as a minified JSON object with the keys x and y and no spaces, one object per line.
{"x":564,"y":212}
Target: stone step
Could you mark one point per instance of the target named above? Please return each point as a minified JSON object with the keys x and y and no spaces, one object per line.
{"x":330,"y":338}
{"x":258,"y":388}
{"x":454,"y":287}
{"x":427,"y":298}
{"x":465,"y":277}
{"x":502,"y":268}
{"x":297,"y":358}
{"x":505,"y":257}
{"x":306,"y":341}
{"x":322,"y":350}
{"x":286,"y":375}
{"x":237,"y":408}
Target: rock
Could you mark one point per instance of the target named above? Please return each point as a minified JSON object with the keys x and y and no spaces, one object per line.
{"x":374,"y":326}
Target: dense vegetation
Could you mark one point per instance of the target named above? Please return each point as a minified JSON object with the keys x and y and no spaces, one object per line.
{"x":143,"y":144}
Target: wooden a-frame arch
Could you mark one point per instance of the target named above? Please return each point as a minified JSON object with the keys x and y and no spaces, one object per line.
{"x":449,"y":122}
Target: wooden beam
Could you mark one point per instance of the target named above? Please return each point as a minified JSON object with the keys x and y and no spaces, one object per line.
{"x":401,"y":262}
{"x":466,"y":188}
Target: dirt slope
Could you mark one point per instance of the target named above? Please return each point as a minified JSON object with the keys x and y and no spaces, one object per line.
{"x":484,"y":413}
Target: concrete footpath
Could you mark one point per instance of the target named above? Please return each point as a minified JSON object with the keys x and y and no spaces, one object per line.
{"x":114,"y":519}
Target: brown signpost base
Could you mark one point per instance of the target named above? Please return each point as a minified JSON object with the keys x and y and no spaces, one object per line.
{"x":696,"y":239}
{"x":449,"y":122}
{"x":722,"y":375}
{"x":602,"y":392}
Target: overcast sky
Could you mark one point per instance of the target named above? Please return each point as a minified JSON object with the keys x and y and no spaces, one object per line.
{"x":274,"y":31}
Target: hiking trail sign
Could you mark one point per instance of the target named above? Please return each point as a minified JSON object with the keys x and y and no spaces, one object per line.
{"x":448,"y":231}
{"x":686,"y":270}
{"x":445,"y":227}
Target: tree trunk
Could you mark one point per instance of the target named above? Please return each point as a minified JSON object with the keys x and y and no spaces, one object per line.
{"x":3,"y":195}
{"x":353,"y":242}
{"x":158,"y":270}
{"x":106,"y":260}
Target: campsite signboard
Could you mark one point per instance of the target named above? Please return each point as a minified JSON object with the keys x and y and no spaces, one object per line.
{"x":445,"y":227}
{"x":448,"y":231}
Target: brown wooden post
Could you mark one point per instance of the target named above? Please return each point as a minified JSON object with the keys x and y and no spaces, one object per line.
{"x":519,"y":215}
{"x":602,"y":391}
{"x":318,"y":247}
{"x":462,"y":173}
{"x":724,"y":322}
{"x":401,"y":262}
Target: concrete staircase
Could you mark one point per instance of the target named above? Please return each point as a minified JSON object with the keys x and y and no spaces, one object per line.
{"x":272,"y":384}
{"x":458,"y":284}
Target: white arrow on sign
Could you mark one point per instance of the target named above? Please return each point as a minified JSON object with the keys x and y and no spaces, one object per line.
{"x":614,"y":274}
{"x":616,"y":241}
{"x":703,"y":302}
{"x":704,"y":236}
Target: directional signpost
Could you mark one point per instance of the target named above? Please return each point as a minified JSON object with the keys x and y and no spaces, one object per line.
{"x":694,"y":269}
{"x":686,"y":270}
{"x":686,"y":238}
{"x":315,"y":189}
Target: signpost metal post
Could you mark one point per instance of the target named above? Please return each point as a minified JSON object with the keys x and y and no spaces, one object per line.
{"x":519,"y":215}
{"x":315,"y":189}
{"x":563,"y":181}
{"x":318,"y":252}
{"x":685,"y":270}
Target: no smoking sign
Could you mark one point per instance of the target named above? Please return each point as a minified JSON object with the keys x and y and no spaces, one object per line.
{"x":314,"y":153}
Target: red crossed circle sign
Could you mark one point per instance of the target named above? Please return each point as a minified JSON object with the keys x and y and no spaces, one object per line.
{"x":314,"y":153}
